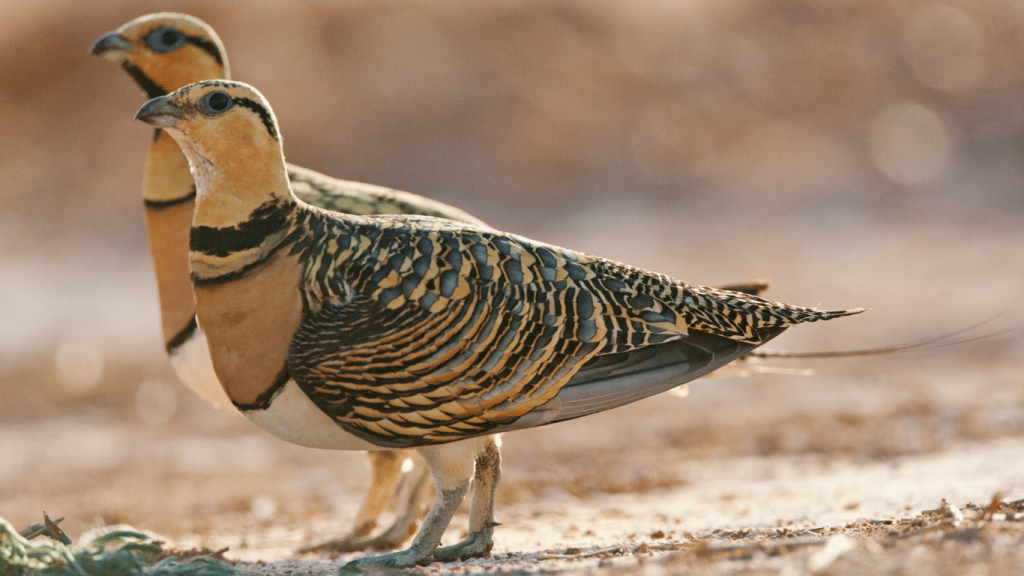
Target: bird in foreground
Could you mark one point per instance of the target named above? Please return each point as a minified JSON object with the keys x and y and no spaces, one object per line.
{"x":361,"y":333}
{"x":163,"y":52}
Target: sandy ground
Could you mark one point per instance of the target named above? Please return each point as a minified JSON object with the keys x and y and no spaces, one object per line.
{"x":662,"y":485}
{"x":854,"y":153}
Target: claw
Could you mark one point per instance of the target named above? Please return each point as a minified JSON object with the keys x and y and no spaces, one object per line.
{"x":477,"y":545}
{"x":404,"y":559}
{"x":390,"y":539}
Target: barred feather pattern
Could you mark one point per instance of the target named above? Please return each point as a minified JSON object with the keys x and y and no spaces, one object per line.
{"x":423,"y":331}
{"x":367,"y":199}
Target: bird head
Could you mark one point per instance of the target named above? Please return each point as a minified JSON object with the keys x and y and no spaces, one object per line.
{"x":165,"y":51}
{"x":224,"y":127}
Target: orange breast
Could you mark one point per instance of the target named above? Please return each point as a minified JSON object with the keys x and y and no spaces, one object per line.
{"x":249,"y":323}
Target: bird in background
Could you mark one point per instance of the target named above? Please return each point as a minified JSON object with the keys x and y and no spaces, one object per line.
{"x":165,"y":51}
{"x":379,"y":332}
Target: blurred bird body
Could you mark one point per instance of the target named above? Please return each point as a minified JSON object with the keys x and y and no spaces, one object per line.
{"x":163,"y":52}
{"x":354,"y":332}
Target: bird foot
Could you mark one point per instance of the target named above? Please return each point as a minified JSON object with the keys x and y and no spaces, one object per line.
{"x":342,"y":544}
{"x":403,"y":559}
{"x":390,"y":539}
{"x":477,"y":545}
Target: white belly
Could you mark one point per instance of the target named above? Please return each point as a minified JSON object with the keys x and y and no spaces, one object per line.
{"x":293,"y":417}
{"x":193,"y":366}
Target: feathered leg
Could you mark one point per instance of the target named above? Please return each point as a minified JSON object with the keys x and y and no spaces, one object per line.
{"x":452,"y":467}
{"x":481,"y":514}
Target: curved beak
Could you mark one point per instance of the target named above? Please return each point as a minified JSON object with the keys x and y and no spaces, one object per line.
{"x":160,"y":113}
{"x":112,"y":46}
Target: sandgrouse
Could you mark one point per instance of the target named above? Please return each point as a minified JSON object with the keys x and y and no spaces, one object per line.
{"x":368,"y":332}
{"x":163,"y":52}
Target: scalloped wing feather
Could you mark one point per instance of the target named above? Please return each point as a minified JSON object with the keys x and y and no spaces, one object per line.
{"x":426,"y":331}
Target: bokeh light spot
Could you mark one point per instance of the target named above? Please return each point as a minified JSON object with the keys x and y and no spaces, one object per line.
{"x":909,"y":143}
{"x":79,"y":363}
{"x":263,"y":507}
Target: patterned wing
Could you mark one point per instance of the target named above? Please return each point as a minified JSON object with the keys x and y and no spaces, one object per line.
{"x":367,"y":199}
{"x":612,"y":380}
{"x":431,"y":332}
{"x":410,"y":375}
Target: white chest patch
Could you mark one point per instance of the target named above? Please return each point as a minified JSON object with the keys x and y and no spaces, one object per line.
{"x":193,"y":366}
{"x":293,"y":417}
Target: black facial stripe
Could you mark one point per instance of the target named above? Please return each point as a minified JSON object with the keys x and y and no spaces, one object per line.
{"x":161,"y":204}
{"x":206,"y":46}
{"x":182,"y":337}
{"x":265,"y":220}
{"x":151,"y":88}
{"x":263,"y":113}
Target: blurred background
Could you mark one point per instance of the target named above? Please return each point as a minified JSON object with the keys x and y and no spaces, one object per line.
{"x":854,"y":152}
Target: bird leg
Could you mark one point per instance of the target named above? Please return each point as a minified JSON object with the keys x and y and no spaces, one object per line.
{"x":452,"y":467}
{"x":410,"y":494}
{"x":386,"y":468}
{"x":481,"y":513}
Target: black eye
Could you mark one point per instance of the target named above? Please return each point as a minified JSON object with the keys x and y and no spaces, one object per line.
{"x":165,"y":39}
{"x":216,"y":102}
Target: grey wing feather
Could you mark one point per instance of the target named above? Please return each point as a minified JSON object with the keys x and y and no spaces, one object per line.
{"x":614,"y":380}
